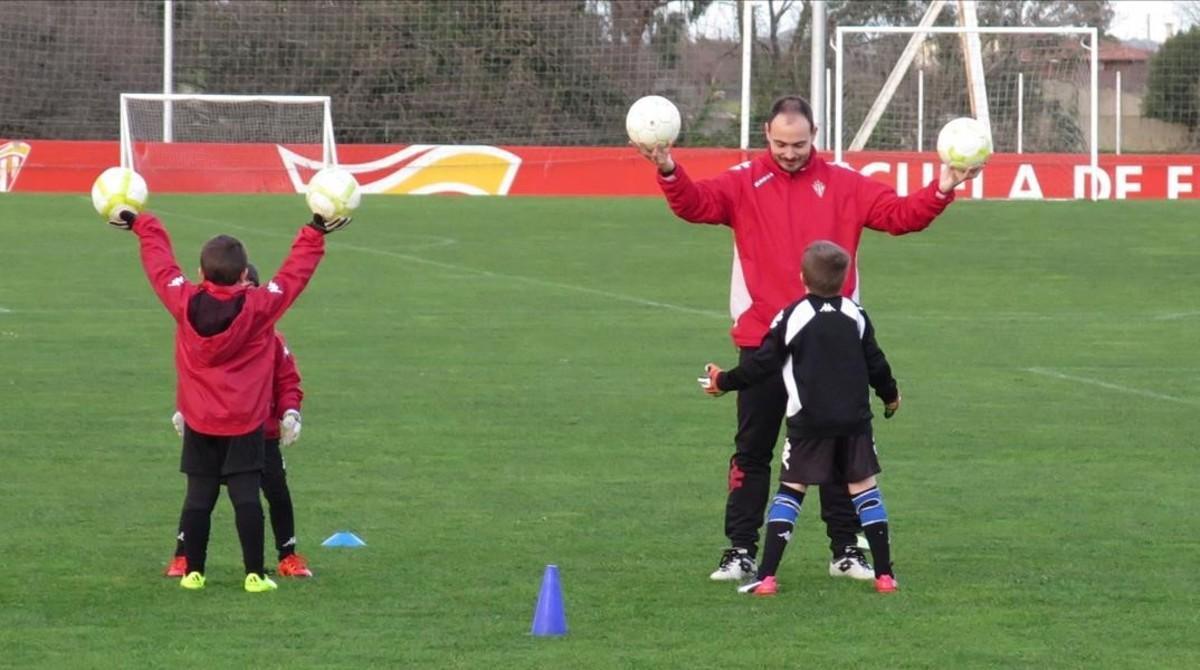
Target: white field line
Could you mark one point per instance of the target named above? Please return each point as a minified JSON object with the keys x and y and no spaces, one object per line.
{"x":1048,"y":372}
{"x":1174,"y":316}
{"x":482,"y":273}
{"x":446,"y":241}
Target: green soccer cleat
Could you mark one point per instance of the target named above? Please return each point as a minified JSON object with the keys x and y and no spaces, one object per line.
{"x":192,"y":581}
{"x":259,"y":584}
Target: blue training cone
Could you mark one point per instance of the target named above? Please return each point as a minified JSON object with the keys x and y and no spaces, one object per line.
{"x":549,"y":619}
{"x":343,"y":539}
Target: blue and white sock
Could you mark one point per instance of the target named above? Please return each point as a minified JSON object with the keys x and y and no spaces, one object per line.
{"x":781,"y":519}
{"x":873,"y":517}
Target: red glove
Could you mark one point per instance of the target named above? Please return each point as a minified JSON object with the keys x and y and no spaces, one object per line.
{"x":709,"y":381}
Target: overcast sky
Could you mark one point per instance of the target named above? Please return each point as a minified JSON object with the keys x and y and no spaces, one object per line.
{"x":1129,"y":20}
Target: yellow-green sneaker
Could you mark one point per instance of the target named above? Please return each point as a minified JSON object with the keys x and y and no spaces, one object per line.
{"x":192,"y":581}
{"x":259,"y":584}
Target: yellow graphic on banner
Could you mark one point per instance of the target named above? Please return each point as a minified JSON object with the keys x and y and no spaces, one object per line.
{"x":463,"y":171}
{"x":12,"y":157}
{"x":423,"y":169}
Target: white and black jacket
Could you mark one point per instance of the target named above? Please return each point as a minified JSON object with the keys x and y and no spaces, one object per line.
{"x":826,"y":351}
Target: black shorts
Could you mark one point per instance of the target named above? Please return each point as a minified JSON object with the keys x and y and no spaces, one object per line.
{"x":829,"y":460}
{"x":221,"y":455}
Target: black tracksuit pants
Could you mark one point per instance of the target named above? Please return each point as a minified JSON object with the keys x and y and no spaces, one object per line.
{"x":760,"y":411}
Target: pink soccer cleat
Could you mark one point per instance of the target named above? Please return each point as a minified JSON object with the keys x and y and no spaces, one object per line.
{"x":294,"y":565}
{"x":885,"y":584}
{"x":761,"y":587}
{"x":178,"y":567}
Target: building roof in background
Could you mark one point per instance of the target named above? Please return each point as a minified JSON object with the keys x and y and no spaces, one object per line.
{"x":1124,"y":52}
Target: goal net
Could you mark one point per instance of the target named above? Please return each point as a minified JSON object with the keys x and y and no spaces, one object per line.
{"x":162,"y":133}
{"x":897,"y":87}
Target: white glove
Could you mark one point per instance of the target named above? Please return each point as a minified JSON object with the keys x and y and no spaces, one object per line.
{"x":177,"y":421}
{"x":289,"y":428}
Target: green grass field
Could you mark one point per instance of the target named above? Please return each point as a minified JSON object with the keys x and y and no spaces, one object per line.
{"x":498,"y":384}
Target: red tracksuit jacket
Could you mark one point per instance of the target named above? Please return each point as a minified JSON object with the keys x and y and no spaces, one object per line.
{"x":286,"y":392}
{"x":224,"y":380}
{"x":775,"y":215}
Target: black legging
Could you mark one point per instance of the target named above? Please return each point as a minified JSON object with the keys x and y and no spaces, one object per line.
{"x":196,"y":522}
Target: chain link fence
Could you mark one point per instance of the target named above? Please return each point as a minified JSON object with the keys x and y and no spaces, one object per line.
{"x":551,"y":72}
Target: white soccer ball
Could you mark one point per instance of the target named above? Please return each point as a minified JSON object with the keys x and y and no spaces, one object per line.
{"x":652,"y":120}
{"x":119,"y":187}
{"x":332,"y":193}
{"x":964,"y":143}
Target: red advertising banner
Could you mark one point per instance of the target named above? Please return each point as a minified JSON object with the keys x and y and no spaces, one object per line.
{"x":70,"y":167}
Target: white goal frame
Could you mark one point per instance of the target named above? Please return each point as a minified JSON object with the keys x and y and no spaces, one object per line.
{"x":328,"y":145}
{"x":919,"y":32}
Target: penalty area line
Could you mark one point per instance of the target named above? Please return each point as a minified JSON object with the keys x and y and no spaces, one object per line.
{"x":483,"y":273}
{"x":1048,"y":372}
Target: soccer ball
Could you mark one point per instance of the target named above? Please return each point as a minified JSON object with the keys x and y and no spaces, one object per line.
{"x":964,"y":143}
{"x":332,"y":193}
{"x":119,"y":187}
{"x":652,"y":120}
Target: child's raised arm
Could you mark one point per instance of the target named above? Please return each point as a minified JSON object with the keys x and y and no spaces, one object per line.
{"x":158,"y":260}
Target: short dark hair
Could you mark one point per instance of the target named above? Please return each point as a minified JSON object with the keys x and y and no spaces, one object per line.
{"x":824,"y":265}
{"x":223,"y":260}
{"x":792,"y":104}
{"x":252,"y":274}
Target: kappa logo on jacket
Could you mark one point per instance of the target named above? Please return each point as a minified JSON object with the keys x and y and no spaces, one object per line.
{"x":819,"y":187}
{"x":176,"y":282}
{"x":763,"y":179}
{"x":273,"y":287}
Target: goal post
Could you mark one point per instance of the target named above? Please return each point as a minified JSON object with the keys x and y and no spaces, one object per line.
{"x":894,"y":85}
{"x":152,"y":122}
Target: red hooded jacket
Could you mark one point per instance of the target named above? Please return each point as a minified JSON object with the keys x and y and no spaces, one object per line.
{"x":775,"y":215}
{"x":224,"y":380}
{"x":286,"y":392}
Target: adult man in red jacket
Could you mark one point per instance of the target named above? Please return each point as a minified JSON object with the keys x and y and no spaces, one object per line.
{"x":776,"y":205}
{"x":224,"y":363}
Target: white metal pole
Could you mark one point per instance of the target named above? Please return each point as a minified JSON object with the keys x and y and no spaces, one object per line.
{"x":747,"y":35}
{"x":1020,"y":112}
{"x":863,"y":133}
{"x":973,"y":53}
{"x":816,"y":72}
{"x":921,"y":110}
{"x":285,"y":99}
{"x":126,"y":158}
{"x":1118,"y":145}
{"x":1095,"y":110}
{"x":168,"y":65}
{"x":1000,"y":30}
{"x":828,"y":116}
{"x":837,"y":98}
{"x":326,"y":127}
{"x":330,"y":143}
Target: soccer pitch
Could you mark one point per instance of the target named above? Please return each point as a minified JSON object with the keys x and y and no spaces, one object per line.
{"x":493,"y":385}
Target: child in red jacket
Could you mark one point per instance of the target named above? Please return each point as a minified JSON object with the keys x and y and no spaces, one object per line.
{"x":283,"y":427}
{"x":224,"y":362}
